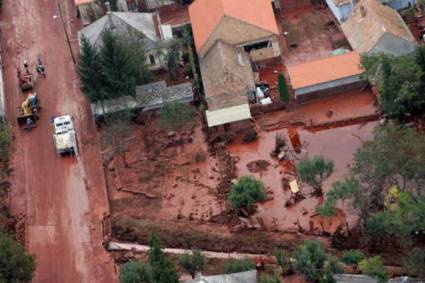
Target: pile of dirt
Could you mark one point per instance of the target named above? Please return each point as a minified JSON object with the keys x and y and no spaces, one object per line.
{"x":183,"y":235}
{"x":258,"y":166}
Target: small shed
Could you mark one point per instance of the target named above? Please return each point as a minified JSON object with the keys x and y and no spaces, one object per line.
{"x":312,"y":79}
{"x":240,"y":277}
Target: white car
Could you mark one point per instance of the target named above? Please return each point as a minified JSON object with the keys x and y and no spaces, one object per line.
{"x":64,"y":136}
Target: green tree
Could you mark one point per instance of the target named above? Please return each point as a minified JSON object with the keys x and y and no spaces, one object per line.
{"x":193,"y":63}
{"x":193,"y":262}
{"x":4,"y":146}
{"x":163,"y":269}
{"x":246,"y":192}
{"x":352,"y":257}
{"x":282,"y":87}
{"x":90,"y":72}
{"x":374,"y":267}
{"x":414,"y":263}
{"x":136,"y":272}
{"x":175,"y":115}
{"x":284,"y":262}
{"x":173,"y":59}
{"x":15,"y":265}
{"x":395,"y":157}
{"x":341,"y":190}
{"x":275,"y":278}
{"x":312,"y":261}
{"x":399,"y":80}
{"x":234,"y":266}
{"x":314,"y":171}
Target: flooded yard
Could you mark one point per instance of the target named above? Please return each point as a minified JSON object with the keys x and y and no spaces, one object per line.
{"x":338,"y":144}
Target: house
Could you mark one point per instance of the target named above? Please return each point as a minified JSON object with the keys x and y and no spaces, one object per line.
{"x":374,"y":28}
{"x":228,"y":81}
{"x":88,"y":10}
{"x":230,"y":36}
{"x":240,"y":277}
{"x":311,"y":80}
{"x":342,"y":9}
{"x":250,"y":25}
{"x":130,"y":22}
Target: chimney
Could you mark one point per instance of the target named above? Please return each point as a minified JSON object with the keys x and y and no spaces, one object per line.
{"x":108,"y":7}
{"x":362,"y":11}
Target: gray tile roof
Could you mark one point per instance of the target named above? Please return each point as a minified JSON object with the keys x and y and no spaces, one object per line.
{"x":120,"y":23}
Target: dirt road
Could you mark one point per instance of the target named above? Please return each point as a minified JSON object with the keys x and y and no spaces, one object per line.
{"x":63,"y":200}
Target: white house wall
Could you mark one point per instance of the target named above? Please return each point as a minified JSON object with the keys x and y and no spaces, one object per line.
{"x":328,"y":85}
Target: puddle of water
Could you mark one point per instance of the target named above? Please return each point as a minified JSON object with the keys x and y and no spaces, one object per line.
{"x":338,"y":144}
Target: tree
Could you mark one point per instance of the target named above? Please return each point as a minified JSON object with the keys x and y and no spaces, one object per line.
{"x":312,"y":261}
{"x":175,"y":115}
{"x":283,"y":88}
{"x":173,"y":59}
{"x":193,"y":262}
{"x":399,"y":80}
{"x":352,"y":257}
{"x":15,"y":265}
{"x":90,"y":72}
{"x":341,"y":190}
{"x":374,"y":267}
{"x":136,"y":272}
{"x":414,"y":263}
{"x":275,"y":278}
{"x":234,"y":266}
{"x":4,"y":146}
{"x":284,"y":262}
{"x":395,"y":157}
{"x":314,"y":171}
{"x":246,"y":192}
{"x":163,"y":269}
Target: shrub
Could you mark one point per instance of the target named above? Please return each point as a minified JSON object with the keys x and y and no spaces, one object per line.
{"x":283,"y":88}
{"x":374,"y":267}
{"x":193,"y":262}
{"x":414,"y":263}
{"x":352,"y":257}
{"x":174,"y":115}
{"x":234,"y":266}
{"x":246,"y":192}
{"x":275,"y":278}
{"x":314,"y":171}
{"x":15,"y":265}
{"x":284,"y":262}
{"x":136,"y":271}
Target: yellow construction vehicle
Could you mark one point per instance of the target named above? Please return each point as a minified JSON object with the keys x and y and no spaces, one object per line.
{"x":28,"y":111}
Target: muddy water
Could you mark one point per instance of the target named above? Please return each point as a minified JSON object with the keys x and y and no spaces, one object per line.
{"x":338,"y":144}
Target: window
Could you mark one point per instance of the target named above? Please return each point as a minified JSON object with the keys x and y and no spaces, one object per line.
{"x":152,"y":59}
{"x":258,"y":45}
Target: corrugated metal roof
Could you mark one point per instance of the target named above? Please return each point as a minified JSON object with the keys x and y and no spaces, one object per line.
{"x":228,"y":115}
{"x":240,"y":277}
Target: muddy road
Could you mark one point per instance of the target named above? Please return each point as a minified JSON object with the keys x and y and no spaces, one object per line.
{"x":62,"y":200}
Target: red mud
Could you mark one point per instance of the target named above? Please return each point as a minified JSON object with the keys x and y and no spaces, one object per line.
{"x":63,"y":199}
{"x":337,"y":144}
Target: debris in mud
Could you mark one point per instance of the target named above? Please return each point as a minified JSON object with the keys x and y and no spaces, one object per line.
{"x":258,"y":166}
{"x":250,"y":136}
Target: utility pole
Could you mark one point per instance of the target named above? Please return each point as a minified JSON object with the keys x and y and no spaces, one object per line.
{"x":68,"y":41}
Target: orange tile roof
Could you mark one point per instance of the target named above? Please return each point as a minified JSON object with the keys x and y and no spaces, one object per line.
{"x":325,"y":70}
{"x":205,"y":15}
{"x":79,"y":2}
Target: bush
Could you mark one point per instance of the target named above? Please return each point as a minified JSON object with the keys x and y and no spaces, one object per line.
{"x":414,"y":263}
{"x":314,"y":171}
{"x":284,"y":262}
{"x":234,"y":266}
{"x":374,"y":267}
{"x":163,"y":269}
{"x":283,"y":88}
{"x":250,"y":136}
{"x":246,"y":192}
{"x":174,"y":115}
{"x":136,"y":272}
{"x":275,"y":278}
{"x":15,"y":265}
{"x":352,"y":257}
{"x":193,"y":262}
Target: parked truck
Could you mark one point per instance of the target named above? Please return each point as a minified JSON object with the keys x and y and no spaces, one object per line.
{"x":28,"y":112}
{"x":64,"y":136}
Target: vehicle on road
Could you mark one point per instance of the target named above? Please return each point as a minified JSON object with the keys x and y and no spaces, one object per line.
{"x":26,"y":81}
{"x":64,"y":136}
{"x":28,"y":112}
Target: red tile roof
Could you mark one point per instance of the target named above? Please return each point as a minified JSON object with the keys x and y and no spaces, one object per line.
{"x":205,"y":15}
{"x":325,"y":70}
